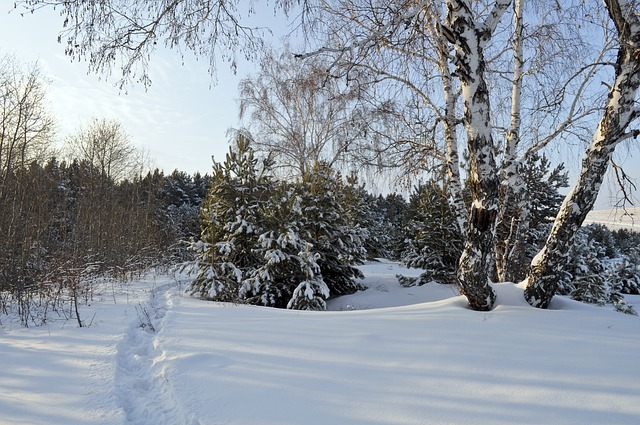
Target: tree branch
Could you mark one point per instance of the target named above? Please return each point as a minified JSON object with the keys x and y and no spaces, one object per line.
{"x":623,"y":181}
{"x":491,"y":22}
{"x":571,"y":118}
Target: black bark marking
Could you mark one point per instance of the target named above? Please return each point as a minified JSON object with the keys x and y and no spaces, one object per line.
{"x":482,"y":219}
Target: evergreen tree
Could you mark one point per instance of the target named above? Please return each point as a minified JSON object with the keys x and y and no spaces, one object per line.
{"x":338,"y":245}
{"x":273,"y":283}
{"x":604,"y":237}
{"x":626,"y":240}
{"x":627,"y":272}
{"x":393,"y":213}
{"x":434,"y":240}
{"x":543,"y":185}
{"x":583,"y":278}
{"x":592,"y":278}
{"x":515,"y":246}
{"x":312,"y":292}
{"x":232,"y":223}
{"x":359,"y":206}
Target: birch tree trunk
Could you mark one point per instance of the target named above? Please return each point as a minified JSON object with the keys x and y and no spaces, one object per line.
{"x":513,"y":220}
{"x":449,"y":120}
{"x":620,"y":111}
{"x":451,"y":140}
{"x":477,"y":260}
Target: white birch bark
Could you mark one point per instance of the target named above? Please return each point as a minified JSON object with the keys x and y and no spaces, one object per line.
{"x":449,"y":120}
{"x":620,"y":111}
{"x":513,"y":219}
{"x":476,"y":262}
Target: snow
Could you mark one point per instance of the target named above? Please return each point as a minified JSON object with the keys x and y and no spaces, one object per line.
{"x":615,"y":219}
{"x":386,"y":355}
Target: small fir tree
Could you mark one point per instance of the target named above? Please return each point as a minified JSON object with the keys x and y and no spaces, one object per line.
{"x":525,"y":224}
{"x":273,"y":283}
{"x":584,"y":275}
{"x":627,"y":272}
{"x":392,"y":210}
{"x":312,"y":292}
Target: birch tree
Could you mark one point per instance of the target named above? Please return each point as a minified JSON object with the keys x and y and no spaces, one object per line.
{"x":299,"y":113}
{"x":555,"y":65}
{"x":106,"y":146}
{"x":470,"y":36}
{"x":620,"y":113}
{"x":124,"y":34}
{"x":399,"y":49}
{"x":26,"y":126}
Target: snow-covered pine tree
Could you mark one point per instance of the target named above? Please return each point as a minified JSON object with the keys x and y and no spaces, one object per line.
{"x":584,"y":276}
{"x":273,"y":283}
{"x":623,"y":277}
{"x":626,"y":240}
{"x":362,"y":218}
{"x":589,"y":275}
{"x":543,"y":185}
{"x":617,"y":278}
{"x":627,"y":272}
{"x":231,"y":223}
{"x":433,"y":239}
{"x":338,"y":245}
{"x":312,"y":292}
{"x":390,"y":214}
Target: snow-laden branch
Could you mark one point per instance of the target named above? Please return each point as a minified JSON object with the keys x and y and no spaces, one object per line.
{"x":633,"y":134}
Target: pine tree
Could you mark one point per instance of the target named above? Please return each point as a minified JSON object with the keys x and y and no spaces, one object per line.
{"x":626,"y":240}
{"x":338,"y":245}
{"x":361,"y":217}
{"x":516,"y":246}
{"x":232,"y":223}
{"x":312,"y":292}
{"x":273,"y":283}
{"x":392,"y":210}
{"x":627,"y":272}
{"x":434,"y":240}
{"x":584,"y":275}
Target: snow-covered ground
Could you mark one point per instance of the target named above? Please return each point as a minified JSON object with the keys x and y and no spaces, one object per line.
{"x":387,"y":355}
{"x":616,"y":219}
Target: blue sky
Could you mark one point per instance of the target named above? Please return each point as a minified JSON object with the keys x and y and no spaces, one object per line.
{"x":182,"y":119}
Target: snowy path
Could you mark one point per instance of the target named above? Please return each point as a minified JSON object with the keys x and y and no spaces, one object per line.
{"x":143,"y":388}
{"x":435,"y":362}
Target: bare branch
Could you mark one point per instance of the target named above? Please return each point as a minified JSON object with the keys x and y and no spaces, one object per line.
{"x":571,"y":117}
{"x":624,"y":184}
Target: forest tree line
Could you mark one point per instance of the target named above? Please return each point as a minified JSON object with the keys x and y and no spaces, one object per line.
{"x":65,"y":224}
{"x":476,"y":88}
{"x":296,"y":243}
{"x":253,"y":238}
